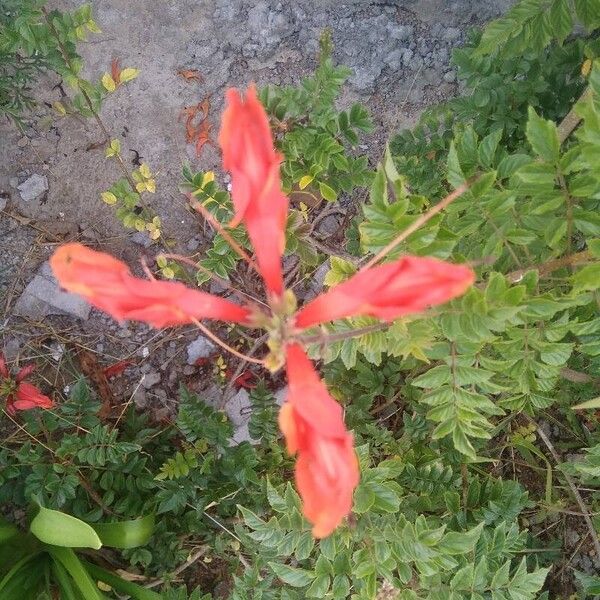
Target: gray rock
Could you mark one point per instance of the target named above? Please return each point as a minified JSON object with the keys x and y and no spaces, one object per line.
{"x":280,"y":395}
{"x":43,"y":297}
{"x":394,"y":59}
{"x":571,"y":538}
{"x":201,"y":347}
{"x":151,"y":379}
{"x":3,"y":202}
{"x":33,"y":187}
{"x":450,"y":77}
{"x":317,"y":281}
{"x":400,"y":32}
{"x":189,"y":370}
{"x":242,"y":434}
{"x":23,"y":142}
{"x":141,"y":238}
{"x":238,"y":408}
{"x":407,"y":57}
{"x":329,"y":225}
{"x":139,"y":397}
{"x":12,"y":347}
{"x":14,"y":182}
{"x":451,"y":34}
{"x":193,"y":244}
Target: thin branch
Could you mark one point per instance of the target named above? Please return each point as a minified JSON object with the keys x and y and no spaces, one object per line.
{"x":188,"y":563}
{"x":434,"y":210}
{"x":217,"y":340}
{"x":323,"y":338}
{"x":223,"y":282}
{"x":196,"y":205}
{"x":567,"y":126}
{"x":241,"y":366}
{"x":90,"y":106}
{"x":582,"y":506}
{"x":550,"y":266}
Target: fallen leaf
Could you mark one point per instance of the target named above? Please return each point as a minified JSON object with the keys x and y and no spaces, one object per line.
{"x":194,"y":116}
{"x":115,"y":70}
{"x":190,"y":75}
{"x":203,"y":136}
{"x":117,"y":368}
{"x":90,"y":367}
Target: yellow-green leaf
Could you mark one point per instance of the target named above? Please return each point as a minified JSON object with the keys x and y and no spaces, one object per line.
{"x":93,"y":26}
{"x":168,"y":273}
{"x":145,"y":171}
{"x":151,"y":186}
{"x":140,"y":187}
{"x":59,"y":107}
{"x":129,"y":74}
{"x":109,"y":198}
{"x":108,"y":82}
{"x":305,"y":181}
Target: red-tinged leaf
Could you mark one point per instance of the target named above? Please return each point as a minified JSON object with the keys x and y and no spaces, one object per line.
{"x":190,"y":75}
{"x":115,"y":70}
{"x":203,"y":361}
{"x":246,"y":380}
{"x":117,"y":368}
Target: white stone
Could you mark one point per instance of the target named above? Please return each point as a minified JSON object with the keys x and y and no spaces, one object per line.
{"x":33,"y":187}
{"x":201,"y":347}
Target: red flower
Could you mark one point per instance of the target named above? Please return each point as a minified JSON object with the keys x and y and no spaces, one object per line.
{"x":249,"y":155}
{"x":313,"y":426}
{"x":20,"y":394}
{"x":107,"y":284}
{"x":27,"y":396}
{"x":311,"y":420}
{"x":405,"y":286}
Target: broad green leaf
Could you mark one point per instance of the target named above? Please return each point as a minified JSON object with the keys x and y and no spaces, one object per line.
{"x":135,"y":591}
{"x":292,"y":575}
{"x":588,"y":12}
{"x":588,"y":404}
{"x":76,"y":570}
{"x":327,"y":192}
{"x":59,"y":529}
{"x":587,"y":278}
{"x":543,"y":137}
{"x":456,"y":542}
{"x":126,"y":534}
{"x":560,"y":18}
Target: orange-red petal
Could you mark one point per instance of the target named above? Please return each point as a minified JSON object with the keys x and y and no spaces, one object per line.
{"x":327,"y":467}
{"x":405,"y":286}
{"x":28,"y":396}
{"x":250,"y":156}
{"x":107,"y":284}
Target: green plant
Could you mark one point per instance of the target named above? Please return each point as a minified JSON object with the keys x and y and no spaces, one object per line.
{"x":42,"y":561}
